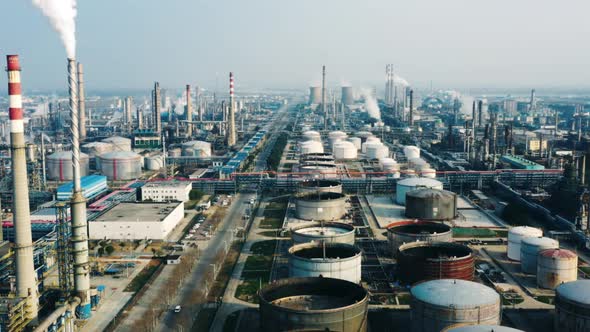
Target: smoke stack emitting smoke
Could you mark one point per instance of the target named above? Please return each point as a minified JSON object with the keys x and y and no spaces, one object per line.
{"x":62,"y":15}
{"x":371,"y":105}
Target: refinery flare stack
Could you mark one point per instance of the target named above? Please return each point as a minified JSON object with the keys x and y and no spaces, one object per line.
{"x":26,"y":285}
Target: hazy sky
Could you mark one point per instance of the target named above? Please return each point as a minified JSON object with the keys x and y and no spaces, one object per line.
{"x":281,"y":43}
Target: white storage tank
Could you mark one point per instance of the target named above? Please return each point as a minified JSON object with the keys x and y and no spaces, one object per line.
{"x":369,"y":141}
{"x":120,"y":165}
{"x":323,"y":232}
{"x":311,"y":135}
{"x":327,"y":206}
{"x":175,"y":152}
{"x":336,"y":136}
{"x":198,"y":149}
{"x":515,"y":236}
{"x":572,"y":307}
{"x":319,"y":170}
{"x":530,"y":248}
{"x":94,"y":149}
{"x":428,"y":173}
{"x":356,"y":141}
{"x":344,"y":150}
{"x":119,"y":143}
{"x":311,"y":147}
{"x":409,"y":184}
{"x":438,"y":304}
{"x":388,"y":165}
{"x":59,"y":166}
{"x":411,"y":152}
{"x":154,"y":163}
{"x":555,"y":267}
{"x":377,"y":150}
{"x":328,"y":260}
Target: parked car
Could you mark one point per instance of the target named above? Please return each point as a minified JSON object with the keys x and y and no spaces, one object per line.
{"x":177,"y":309}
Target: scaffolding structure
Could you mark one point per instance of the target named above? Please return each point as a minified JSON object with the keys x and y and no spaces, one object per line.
{"x":63,"y":248}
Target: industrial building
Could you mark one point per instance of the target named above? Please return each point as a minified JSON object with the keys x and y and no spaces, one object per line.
{"x":136,"y":221}
{"x":166,"y":191}
{"x":92,"y":186}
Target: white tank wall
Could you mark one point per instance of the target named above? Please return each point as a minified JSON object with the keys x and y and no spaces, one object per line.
{"x":356,"y":141}
{"x":406,"y":185}
{"x":119,"y":143}
{"x":199,"y":149}
{"x":411,"y":152}
{"x":59,"y":166}
{"x":312,"y":136}
{"x":120,"y":166}
{"x":154,"y":163}
{"x":515,"y":236}
{"x":344,"y":150}
{"x":326,"y":233}
{"x":311,"y":147}
{"x":327,"y":210}
{"x":377,"y":151}
{"x":340,"y":268}
{"x":529,"y":249}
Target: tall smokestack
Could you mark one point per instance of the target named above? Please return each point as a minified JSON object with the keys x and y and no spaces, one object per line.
{"x":189,"y":112}
{"x":79,"y":236}
{"x":473,"y":116}
{"x":26,"y":285}
{"x":128,"y":113}
{"x":81,"y":102}
{"x":480,"y":113}
{"x":411,"y":119}
{"x":324,"y":112}
{"x":231,"y":136}
{"x":139,"y":115}
{"x":156,"y":107}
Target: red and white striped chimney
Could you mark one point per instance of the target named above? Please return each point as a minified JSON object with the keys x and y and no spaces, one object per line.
{"x":15,"y":110}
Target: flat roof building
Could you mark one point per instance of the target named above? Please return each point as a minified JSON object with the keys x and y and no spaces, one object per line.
{"x":166,"y":191}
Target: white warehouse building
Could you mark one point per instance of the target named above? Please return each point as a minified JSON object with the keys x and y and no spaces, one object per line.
{"x":137,"y":221}
{"x":166,"y":191}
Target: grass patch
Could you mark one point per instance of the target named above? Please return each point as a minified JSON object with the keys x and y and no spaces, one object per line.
{"x":142,"y":277}
{"x":223,"y":276}
{"x":274,"y":214}
{"x":478,"y":232}
{"x":258,"y":263}
{"x":248,"y":289}
{"x":545,"y":299}
{"x":204,"y":320}
{"x":266,"y":247}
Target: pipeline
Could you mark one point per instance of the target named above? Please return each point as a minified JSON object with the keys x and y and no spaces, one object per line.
{"x":52,"y":319}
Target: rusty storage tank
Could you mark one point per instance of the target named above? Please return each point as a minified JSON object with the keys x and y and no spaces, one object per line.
{"x":515,"y":236}
{"x":480,"y":328}
{"x":431,"y":204}
{"x":327,"y":206}
{"x":529,"y":249}
{"x":313,"y":303}
{"x":410,"y":231}
{"x":555,"y":267}
{"x":330,"y":260}
{"x":572,"y":307}
{"x":439,"y":260}
{"x":319,"y":185}
{"x":438,"y":304}
{"x":59,"y":166}
{"x":325,"y":232}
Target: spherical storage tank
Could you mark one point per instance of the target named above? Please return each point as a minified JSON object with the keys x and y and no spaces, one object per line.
{"x":120,"y":165}
{"x":556,"y":266}
{"x":420,"y":261}
{"x":572,"y":307}
{"x":324,"y":232}
{"x":59,"y":166}
{"x":119,"y":143}
{"x":438,"y":304}
{"x":199,"y":149}
{"x":529,"y":249}
{"x":311,"y":147}
{"x":344,"y":150}
{"x":515,"y":236}
{"x":480,"y":328}
{"x":313,"y":304}
{"x":331,"y":260}
{"x":411,"y":231}
{"x":327,"y":206}
{"x":431,"y":204}
{"x":409,"y":184}
{"x":319,"y":185}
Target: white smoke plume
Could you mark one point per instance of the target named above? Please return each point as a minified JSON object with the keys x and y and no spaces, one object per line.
{"x":371,"y":105}
{"x":62,"y":16}
{"x":398,"y":80}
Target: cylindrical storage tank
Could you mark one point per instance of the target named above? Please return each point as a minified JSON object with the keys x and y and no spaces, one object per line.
{"x":59,"y":166}
{"x":376,"y":150}
{"x":94,"y":149}
{"x":326,"y":206}
{"x":411,"y":231}
{"x":31,"y":152}
{"x":428,"y":172}
{"x":175,"y":152}
{"x":335,"y":136}
{"x":356,"y":141}
{"x":370,"y":140}
{"x":329,"y":260}
{"x":344,"y":150}
{"x":324,"y":232}
{"x":313,"y":303}
{"x":438,"y":304}
{"x":530,"y":248}
{"x":347,"y":95}
{"x":431,"y":204}
{"x":119,"y":143}
{"x":312,"y":135}
{"x":320,"y":170}
{"x":555,"y":267}
{"x":315,"y":95}
{"x":480,"y":328}
{"x":572,"y":307}
{"x":154,"y":163}
{"x":515,"y":236}
{"x":311,"y":147}
{"x":198,"y":149}
{"x":411,"y":152}
{"x":318,"y":185}
{"x":417,"y":163}
{"x":388,"y":165}
{"x":119,"y":165}
{"x":409,"y":184}
{"x":421,"y":261}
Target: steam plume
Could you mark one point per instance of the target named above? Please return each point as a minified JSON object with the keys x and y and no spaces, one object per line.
{"x":371,"y":104}
{"x":62,"y":15}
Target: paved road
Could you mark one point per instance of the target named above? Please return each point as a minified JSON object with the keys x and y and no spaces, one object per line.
{"x":220,"y":240}
{"x":276,"y":125}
